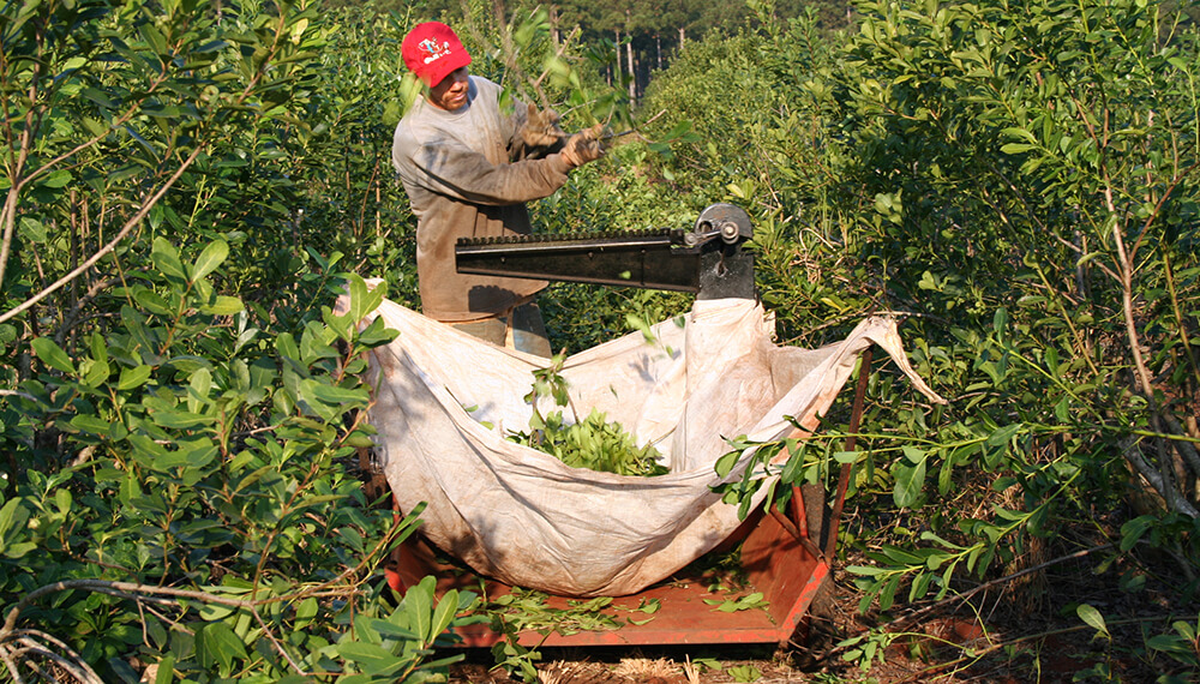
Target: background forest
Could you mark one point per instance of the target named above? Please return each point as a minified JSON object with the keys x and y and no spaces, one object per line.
{"x":187,"y":186}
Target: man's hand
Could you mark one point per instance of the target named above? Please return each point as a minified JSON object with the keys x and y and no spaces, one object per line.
{"x":541,"y":128}
{"x":583,"y":147}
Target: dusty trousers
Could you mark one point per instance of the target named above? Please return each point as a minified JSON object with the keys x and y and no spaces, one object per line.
{"x":521,"y":328}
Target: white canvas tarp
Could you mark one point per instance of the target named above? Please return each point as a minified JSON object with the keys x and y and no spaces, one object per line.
{"x":523,"y":517}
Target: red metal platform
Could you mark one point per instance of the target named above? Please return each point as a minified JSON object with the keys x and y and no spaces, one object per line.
{"x":778,"y":563}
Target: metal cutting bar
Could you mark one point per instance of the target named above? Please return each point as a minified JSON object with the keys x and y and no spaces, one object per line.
{"x":652,"y":260}
{"x":708,"y":261}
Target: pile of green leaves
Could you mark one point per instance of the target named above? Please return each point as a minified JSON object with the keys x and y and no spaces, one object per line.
{"x":595,"y":442}
{"x":525,"y":610}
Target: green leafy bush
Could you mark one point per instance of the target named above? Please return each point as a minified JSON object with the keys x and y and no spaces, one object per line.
{"x":994,"y":170}
{"x":202,"y":508}
{"x":179,"y":404}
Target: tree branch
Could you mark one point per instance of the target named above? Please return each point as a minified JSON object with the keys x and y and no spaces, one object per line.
{"x":125,"y":230}
{"x":1154,"y":478}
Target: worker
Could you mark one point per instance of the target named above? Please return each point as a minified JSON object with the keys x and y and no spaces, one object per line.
{"x":469,"y":165}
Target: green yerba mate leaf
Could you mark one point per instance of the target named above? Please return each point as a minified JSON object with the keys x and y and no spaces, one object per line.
{"x":52,"y":355}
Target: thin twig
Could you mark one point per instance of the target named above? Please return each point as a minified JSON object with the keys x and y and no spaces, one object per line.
{"x":124,"y":589}
{"x":975,"y":655}
{"x":1003,"y":580}
{"x":906,"y":619}
{"x":278,"y":646}
{"x":72,"y":317}
{"x":68,"y":660}
{"x":654,"y":118}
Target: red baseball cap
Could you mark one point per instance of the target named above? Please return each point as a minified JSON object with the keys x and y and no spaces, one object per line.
{"x":431,"y":51}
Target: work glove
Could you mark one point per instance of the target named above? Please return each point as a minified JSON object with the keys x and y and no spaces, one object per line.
{"x":541,"y":128}
{"x":583,"y":147}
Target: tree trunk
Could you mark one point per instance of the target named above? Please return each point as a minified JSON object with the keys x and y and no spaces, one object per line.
{"x":617,"y":33}
{"x":632,"y":73}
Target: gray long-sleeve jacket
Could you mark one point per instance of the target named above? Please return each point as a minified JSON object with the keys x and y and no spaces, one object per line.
{"x":468,"y":174}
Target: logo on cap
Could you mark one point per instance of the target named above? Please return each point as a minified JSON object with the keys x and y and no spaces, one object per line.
{"x":432,"y":50}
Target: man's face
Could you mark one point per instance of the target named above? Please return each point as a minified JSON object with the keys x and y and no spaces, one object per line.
{"x":451,"y":93}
